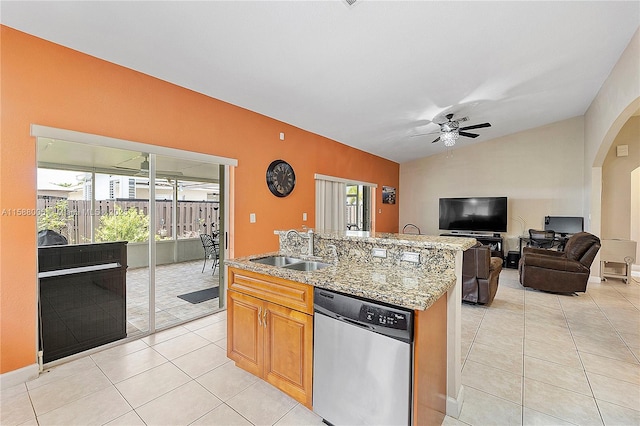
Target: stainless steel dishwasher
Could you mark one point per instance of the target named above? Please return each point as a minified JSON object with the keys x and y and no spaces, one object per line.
{"x":362,"y":361}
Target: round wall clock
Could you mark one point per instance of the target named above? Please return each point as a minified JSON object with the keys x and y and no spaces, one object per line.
{"x":280,"y":178}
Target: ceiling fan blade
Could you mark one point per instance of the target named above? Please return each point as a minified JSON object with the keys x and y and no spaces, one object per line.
{"x":444,"y":119}
{"x":468,"y":135}
{"x":476,"y":126}
{"x":437,"y":139}
{"x":423,"y":134}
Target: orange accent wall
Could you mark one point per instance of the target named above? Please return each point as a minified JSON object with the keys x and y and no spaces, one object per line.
{"x":47,"y":84}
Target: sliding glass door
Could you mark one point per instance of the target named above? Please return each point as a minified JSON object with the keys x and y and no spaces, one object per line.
{"x":168,"y":208}
{"x":187,"y":229}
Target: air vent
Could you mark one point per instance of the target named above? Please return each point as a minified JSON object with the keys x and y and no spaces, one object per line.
{"x":350,"y":2}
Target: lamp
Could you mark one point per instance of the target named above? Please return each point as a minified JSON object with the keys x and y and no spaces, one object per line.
{"x":449,"y":137}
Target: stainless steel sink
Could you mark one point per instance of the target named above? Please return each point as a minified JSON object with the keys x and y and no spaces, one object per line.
{"x":307,"y":266}
{"x":277,"y":260}
{"x":291,"y":263}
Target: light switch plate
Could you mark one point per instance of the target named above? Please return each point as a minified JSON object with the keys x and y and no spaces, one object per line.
{"x":379,"y":252}
{"x":252,"y":218}
{"x":409,"y":256}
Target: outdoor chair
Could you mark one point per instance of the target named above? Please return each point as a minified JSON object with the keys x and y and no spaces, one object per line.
{"x":211,"y":251}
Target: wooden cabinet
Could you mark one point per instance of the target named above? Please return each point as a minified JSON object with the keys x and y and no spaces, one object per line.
{"x":270,"y":330}
{"x":245,"y":333}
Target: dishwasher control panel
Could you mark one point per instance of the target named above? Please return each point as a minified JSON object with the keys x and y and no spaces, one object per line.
{"x":375,"y":315}
{"x":388,"y":320}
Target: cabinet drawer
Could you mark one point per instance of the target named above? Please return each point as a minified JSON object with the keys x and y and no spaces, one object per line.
{"x":283,"y":292}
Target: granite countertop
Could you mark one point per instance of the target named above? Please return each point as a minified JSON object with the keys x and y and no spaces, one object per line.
{"x":404,"y":287}
{"x":382,"y":238}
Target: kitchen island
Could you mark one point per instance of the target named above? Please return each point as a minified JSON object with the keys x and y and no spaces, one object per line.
{"x":268,"y":305}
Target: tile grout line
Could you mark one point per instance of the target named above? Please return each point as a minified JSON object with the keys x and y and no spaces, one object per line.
{"x":615,"y":328}
{"x":118,"y":390}
{"x":584,"y":370}
{"x":473,"y":341}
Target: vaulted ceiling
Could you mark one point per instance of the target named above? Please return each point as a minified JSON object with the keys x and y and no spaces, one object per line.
{"x":371,"y":75}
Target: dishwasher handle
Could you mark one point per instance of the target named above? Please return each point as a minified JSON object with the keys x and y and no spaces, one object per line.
{"x":331,"y":314}
{"x":356,"y":323}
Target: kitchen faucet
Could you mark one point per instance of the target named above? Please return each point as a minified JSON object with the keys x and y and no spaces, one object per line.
{"x":308,"y":236}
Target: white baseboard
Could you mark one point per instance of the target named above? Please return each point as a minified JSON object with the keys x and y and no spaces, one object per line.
{"x":454,"y":406}
{"x":594,"y":279}
{"x":21,"y":375}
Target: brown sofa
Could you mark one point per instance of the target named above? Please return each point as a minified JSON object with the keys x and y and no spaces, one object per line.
{"x":560,"y":272}
{"x":480,"y":274}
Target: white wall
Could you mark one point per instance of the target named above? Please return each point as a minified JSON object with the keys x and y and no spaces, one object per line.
{"x":539,"y":170}
{"x":617,"y":100}
{"x":616,"y":183}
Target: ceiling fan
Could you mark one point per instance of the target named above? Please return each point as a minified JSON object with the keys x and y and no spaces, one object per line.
{"x":143,"y":169}
{"x":450,"y":130}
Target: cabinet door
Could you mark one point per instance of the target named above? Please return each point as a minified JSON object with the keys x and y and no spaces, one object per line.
{"x":245,"y":332}
{"x":288,"y":357}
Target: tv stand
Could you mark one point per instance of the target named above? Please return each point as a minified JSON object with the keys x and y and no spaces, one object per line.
{"x":496,"y":243}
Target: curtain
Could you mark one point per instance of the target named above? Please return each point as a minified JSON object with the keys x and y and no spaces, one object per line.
{"x":330,"y":205}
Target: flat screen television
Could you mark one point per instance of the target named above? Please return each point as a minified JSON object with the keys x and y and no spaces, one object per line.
{"x":480,"y":214}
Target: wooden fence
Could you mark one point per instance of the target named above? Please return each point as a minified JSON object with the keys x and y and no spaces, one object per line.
{"x":194,"y":217}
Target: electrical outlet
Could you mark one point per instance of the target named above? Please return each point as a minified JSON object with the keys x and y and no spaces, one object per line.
{"x":409,"y":256}
{"x":379,"y":252}
{"x":304,"y":216}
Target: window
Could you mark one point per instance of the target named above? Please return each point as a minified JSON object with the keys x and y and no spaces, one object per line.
{"x":343,"y":204}
{"x":357,"y":207}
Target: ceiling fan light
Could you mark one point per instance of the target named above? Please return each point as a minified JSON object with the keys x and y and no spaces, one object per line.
{"x":449,"y":138}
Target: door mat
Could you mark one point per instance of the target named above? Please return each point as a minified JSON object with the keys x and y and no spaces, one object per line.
{"x":200,"y":295}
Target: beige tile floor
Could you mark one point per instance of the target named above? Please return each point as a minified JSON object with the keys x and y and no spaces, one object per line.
{"x":531,"y":358}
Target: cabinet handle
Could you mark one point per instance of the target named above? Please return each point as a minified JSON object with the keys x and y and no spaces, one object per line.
{"x":259,"y":314}
{"x":264,"y":318}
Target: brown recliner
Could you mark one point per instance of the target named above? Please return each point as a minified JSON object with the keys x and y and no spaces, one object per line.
{"x":560,"y":272}
{"x":480,"y":274}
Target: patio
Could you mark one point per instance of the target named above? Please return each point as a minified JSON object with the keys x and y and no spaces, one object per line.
{"x":172,"y":280}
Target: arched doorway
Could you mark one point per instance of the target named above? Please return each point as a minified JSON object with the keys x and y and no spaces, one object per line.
{"x":612,"y":205}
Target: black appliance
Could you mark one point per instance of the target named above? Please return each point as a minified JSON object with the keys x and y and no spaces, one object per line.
{"x":83,"y":297}
{"x":513,"y":257}
{"x":564,"y":225}
{"x":484,"y":214}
